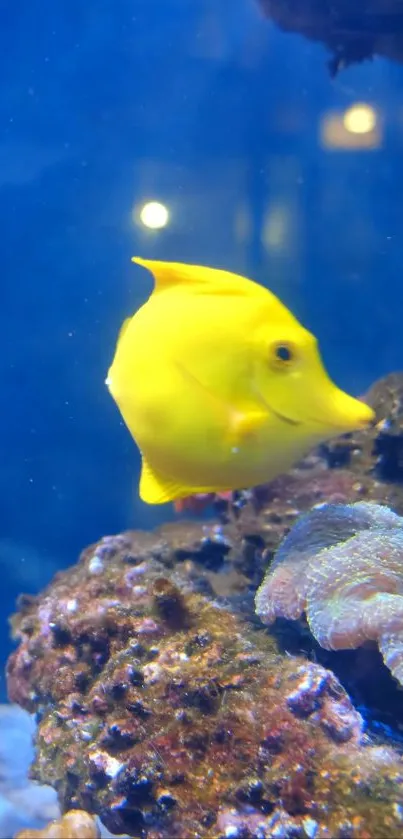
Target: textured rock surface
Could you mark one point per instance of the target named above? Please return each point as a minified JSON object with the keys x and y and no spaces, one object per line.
{"x":378,"y":451}
{"x":365,"y":466}
{"x":169,"y":716}
{"x":352,"y":32}
{"x":76,"y":824}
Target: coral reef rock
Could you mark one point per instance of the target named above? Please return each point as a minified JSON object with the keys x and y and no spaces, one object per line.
{"x":353,"y":32}
{"x":343,"y":566}
{"x":377,"y":451}
{"x":364,"y":466}
{"x":76,"y":824}
{"x":168,"y":715}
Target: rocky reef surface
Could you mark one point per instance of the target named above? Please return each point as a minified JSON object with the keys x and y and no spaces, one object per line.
{"x":166,"y":709}
{"x":75,"y":824}
{"x":352,"y":32}
{"x":162,"y":712}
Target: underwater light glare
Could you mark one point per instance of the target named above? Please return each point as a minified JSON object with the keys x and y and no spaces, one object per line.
{"x":154,"y":215}
{"x":360,"y":119}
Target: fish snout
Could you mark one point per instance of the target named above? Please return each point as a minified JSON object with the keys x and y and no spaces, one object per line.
{"x":351,"y":414}
{"x":339,"y":413}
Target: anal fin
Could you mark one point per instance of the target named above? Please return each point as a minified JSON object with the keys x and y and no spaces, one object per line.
{"x":156,"y":489}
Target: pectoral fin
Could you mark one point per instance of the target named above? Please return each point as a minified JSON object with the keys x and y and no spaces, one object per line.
{"x":244,"y":426}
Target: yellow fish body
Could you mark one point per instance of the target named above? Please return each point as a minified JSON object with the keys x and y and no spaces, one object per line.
{"x":220,"y":386}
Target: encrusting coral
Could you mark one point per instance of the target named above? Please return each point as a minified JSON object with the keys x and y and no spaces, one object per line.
{"x":343,"y":566}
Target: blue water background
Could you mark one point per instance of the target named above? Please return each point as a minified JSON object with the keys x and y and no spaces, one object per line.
{"x":206,"y":106}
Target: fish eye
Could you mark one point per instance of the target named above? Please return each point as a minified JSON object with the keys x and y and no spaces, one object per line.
{"x":283,"y":354}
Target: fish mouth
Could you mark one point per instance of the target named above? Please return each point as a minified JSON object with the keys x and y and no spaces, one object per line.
{"x":304,"y":421}
{"x":283,"y":417}
{"x":358,"y":426}
{"x":317,"y":421}
{"x":279,"y":414}
{"x":351,"y":415}
{"x":358,"y":423}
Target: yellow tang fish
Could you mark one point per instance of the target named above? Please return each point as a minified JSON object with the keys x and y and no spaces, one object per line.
{"x":219,"y":384}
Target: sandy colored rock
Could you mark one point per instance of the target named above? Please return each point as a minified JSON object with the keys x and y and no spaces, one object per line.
{"x":76,"y":824}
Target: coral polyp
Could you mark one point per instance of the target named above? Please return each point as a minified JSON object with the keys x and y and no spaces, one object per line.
{"x":343,"y":566}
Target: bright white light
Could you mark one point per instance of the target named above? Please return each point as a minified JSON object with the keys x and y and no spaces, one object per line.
{"x":360,"y":119}
{"x":154,"y":215}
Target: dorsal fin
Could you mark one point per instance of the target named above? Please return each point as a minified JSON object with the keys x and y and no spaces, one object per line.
{"x":201,"y":278}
